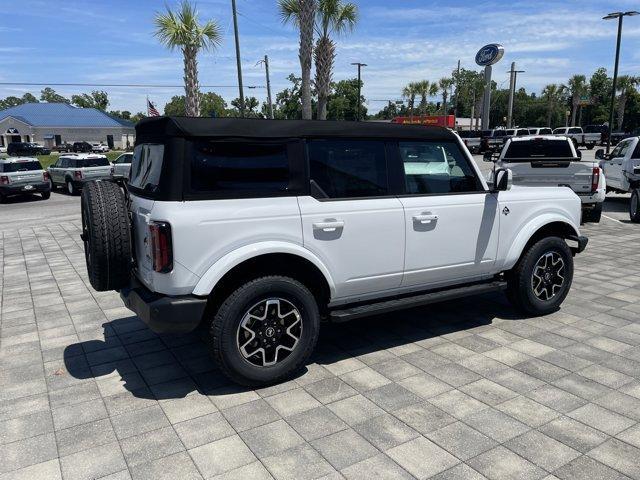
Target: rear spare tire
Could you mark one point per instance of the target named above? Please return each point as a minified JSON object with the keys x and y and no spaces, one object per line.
{"x":106,"y":234}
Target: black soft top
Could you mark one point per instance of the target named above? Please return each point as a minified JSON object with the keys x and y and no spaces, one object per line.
{"x":155,"y":129}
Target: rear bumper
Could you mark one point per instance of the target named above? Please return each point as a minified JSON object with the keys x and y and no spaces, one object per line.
{"x":20,"y":189}
{"x":592,"y":198}
{"x":161,"y":313}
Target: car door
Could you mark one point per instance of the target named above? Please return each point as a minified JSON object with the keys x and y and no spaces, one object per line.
{"x":613,"y":165}
{"x":451,"y":220}
{"x":352,"y":220}
{"x":54,"y":171}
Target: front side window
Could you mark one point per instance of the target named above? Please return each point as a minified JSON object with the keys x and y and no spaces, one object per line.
{"x":349,"y":168}
{"x":147,"y":166}
{"x":437,"y":167}
{"x":575,"y":130}
{"x":243,"y":167}
{"x":620,"y":150}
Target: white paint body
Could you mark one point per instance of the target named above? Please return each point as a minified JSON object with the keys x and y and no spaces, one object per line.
{"x":365,"y":248}
{"x":622,"y":168}
{"x":576,"y":133}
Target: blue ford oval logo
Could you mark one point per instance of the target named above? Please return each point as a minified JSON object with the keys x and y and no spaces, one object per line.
{"x":489,"y":54}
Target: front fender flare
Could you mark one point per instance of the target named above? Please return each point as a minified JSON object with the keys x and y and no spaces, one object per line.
{"x":528,"y":230}
{"x":219,"y":268}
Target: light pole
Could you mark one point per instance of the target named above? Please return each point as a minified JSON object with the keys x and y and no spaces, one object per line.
{"x":360,"y":65}
{"x":239,"y":65}
{"x":619,"y":16}
{"x":512,"y":91}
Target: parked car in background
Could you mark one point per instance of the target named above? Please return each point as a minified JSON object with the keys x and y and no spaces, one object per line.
{"x":99,"y":148}
{"x":73,"y":170}
{"x":580,"y":139}
{"x":514,"y":132}
{"x":603,"y":130}
{"x":62,"y":148}
{"x":26,"y":148}
{"x":82,"y":147}
{"x":472,"y":139}
{"x":492,"y":139}
{"x":540,"y":131}
{"x":121,"y":167}
{"x":622,"y":169}
{"x":554,"y":161}
{"x":21,"y":175}
{"x":617,"y":137}
{"x":257,"y":229}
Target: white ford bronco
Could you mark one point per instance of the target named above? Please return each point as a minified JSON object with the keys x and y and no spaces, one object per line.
{"x":258,"y":229}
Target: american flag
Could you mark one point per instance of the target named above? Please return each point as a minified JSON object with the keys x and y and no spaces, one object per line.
{"x":151,"y":109}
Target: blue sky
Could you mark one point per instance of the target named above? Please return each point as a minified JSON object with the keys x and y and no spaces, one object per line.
{"x":100,"y":41}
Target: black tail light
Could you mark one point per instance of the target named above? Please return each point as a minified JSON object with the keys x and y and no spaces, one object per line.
{"x":161,"y":246}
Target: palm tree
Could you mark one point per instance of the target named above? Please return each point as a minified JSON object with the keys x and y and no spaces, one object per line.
{"x":302,"y":13}
{"x":181,"y":30}
{"x":626,"y":86}
{"x":553,"y":95}
{"x":423,"y":89}
{"x":409,"y":92}
{"x":333,"y":17}
{"x":577,"y":87}
{"x":445,"y":84}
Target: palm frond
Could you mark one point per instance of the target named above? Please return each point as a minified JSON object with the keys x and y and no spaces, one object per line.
{"x":289,"y":11}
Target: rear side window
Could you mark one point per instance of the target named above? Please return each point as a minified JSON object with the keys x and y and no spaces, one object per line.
{"x":349,"y":168}
{"x":146,"y":166}
{"x":92,"y":162}
{"x":545,"y":131}
{"x":538,"y":149}
{"x":20,"y":167}
{"x":575,"y":130}
{"x":240,"y":167}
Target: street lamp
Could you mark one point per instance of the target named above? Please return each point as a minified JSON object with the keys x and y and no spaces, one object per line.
{"x":360,"y":65}
{"x":619,"y":16}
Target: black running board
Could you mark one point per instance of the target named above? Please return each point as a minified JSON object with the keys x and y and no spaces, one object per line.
{"x":377,"y":308}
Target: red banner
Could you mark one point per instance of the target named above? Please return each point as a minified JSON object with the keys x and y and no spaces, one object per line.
{"x":428,"y":120}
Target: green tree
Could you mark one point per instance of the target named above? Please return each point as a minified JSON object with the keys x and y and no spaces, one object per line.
{"x":287,"y":104}
{"x":49,"y":95}
{"x":409,"y":92}
{"x":182,"y":30}
{"x":302,"y":14}
{"x":96,"y":99}
{"x":211,"y":105}
{"x":13,"y":101}
{"x":29,"y":98}
{"x":333,"y":18}
{"x":251,"y":107}
{"x":554,"y":97}
{"x":137,"y":117}
{"x":625,"y":87}
{"x":124,"y":114}
{"x":577,"y":86}
{"x":444,"y":84}
{"x":600,"y":85}
{"x":343,"y":101}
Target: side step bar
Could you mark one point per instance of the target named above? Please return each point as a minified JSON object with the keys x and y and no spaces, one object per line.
{"x":415,"y":301}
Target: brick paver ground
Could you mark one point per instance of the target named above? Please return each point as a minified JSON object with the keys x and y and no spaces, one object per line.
{"x":466,"y":389}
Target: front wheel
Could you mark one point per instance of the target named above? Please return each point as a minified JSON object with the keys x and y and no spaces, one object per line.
{"x":541,"y":279}
{"x":634,"y":206}
{"x":265,"y":331}
{"x":45,"y":195}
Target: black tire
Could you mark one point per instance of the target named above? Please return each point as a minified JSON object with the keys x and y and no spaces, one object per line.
{"x":634,"y":206}
{"x":225,"y":327}
{"x":520,"y":281}
{"x":107,"y":236}
{"x":71,"y":189}
{"x":46,"y":195}
{"x":52,"y":185}
{"x":592,"y":215}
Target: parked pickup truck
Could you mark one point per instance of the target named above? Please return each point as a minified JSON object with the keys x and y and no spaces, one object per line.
{"x":492,"y":139}
{"x":472,"y":139}
{"x":617,"y":137}
{"x":622,"y":169}
{"x":580,"y":139}
{"x":554,"y":161}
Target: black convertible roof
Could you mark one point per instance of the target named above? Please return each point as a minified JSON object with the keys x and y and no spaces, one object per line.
{"x":155,"y":128}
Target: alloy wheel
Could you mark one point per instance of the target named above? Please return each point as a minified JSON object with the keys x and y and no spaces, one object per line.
{"x":548,"y":278}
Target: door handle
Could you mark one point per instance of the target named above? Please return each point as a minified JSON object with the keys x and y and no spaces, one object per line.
{"x":328,"y":226}
{"x":425,"y":218}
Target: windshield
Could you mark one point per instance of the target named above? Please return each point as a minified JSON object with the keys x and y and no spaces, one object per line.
{"x":20,"y":166}
{"x":146,"y":166}
{"x":539,"y":149}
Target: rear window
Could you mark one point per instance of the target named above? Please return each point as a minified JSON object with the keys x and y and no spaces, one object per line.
{"x":499,"y":133}
{"x":469,"y":134}
{"x":146,"y":166}
{"x":241,"y":167}
{"x":539,"y":149}
{"x":20,"y":166}
{"x":545,"y":131}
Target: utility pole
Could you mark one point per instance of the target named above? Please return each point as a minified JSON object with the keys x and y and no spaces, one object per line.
{"x":269,"y":102}
{"x":235,"y":31}
{"x":360,"y":65}
{"x":455,"y":106}
{"x":513,"y":74}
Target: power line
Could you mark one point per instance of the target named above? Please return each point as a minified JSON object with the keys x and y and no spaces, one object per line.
{"x":118,"y":85}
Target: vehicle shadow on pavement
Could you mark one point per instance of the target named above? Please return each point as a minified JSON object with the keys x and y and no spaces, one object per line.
{"x":173,"y":366}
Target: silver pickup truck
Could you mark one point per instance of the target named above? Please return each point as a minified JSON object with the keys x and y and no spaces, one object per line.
{"x":73,"y":170}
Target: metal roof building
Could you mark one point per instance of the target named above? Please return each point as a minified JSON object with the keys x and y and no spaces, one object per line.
{"x":51,"y":124}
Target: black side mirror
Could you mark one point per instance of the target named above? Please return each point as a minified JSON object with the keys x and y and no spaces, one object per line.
{"x":579,"y":153}
{"x":502,"y":180}
{"x":600,"y":155}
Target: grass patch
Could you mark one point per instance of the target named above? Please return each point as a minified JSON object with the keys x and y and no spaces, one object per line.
{"x":47,"y":160}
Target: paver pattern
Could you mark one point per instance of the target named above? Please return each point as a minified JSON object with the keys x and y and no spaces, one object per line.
{"x":466,"y":389}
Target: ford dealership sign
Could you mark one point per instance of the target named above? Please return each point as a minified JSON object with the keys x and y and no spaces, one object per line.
{"x":489,"y":54}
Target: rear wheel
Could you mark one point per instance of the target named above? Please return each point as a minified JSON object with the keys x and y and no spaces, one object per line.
{"x":46,"y":195}
{"x":541,"y":279}
{"x":71,"y":190}
{"x":634,"y":206}
{"x":265,"y":330}
{"x":592,"y":215}
{"x":106,"y":235}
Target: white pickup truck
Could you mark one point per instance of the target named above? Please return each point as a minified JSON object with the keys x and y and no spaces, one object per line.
{"x":554,"y":161}
{"x":622,"y":168}
{"x":580,"y":139}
